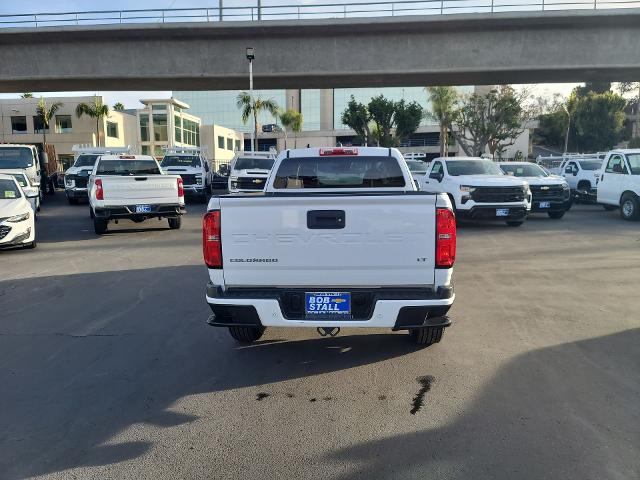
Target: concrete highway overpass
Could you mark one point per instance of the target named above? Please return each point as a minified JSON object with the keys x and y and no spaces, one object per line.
{"x":473,"y":49}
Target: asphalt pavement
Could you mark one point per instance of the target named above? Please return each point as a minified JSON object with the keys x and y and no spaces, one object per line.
{"x":108,"y":369}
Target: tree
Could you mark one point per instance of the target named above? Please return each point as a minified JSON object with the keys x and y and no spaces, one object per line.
{"x":632,"y":87}
{"x":492,"y":121}
{"x":407,"y":118}
{"x":96,"y":110}
{"x":381,"y":112}
{"x":253,"y":108}
{"x":118,"y":107}
{"x":598,"y":120}
{"x":356,"y":117}
{"x":26,"y":95}
{"x":45,"y":113}
{"x":595,"y":87}
{"x":444,"y":101}
{"x":292,"y":120}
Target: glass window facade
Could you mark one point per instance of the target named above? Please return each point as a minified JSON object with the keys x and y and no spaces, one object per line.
{"x":220,"y":142}
{"x":145,"y":150}
{"x":230,"y":144}
{"x":144,"y":127}
{"x":112,"y":129}
{"x":310,"y":109}
{"x":190,"y":132}
{"x":63,"y":124}
{"x":18,"y":124}
{"x":177,"y":122}
{"x":38,"y":126}
{"x":160,"y":133}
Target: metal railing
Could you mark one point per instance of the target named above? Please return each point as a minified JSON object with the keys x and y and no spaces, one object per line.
{"x":369,"y":9}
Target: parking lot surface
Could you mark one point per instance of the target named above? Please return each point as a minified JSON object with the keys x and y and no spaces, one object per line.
{"x":108,"y":369}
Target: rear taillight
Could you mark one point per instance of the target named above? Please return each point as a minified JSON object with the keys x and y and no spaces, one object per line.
{"x":99,"y":190}
{"x":180,"y":188}
{"x":445,"y":238}
{"x":211,"y":241}
{"x":325,"y":152}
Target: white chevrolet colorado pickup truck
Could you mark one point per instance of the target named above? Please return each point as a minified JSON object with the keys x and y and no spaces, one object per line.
{"x":133,"y":187}
{"x":479,"y":189}
{"x":339,"y":238}
{"x":619,"y":185}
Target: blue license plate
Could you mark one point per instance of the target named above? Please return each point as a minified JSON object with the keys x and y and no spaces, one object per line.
{"x":545,"y":204}
{"x":324,"y":304}
{"x":502,"y":212}
{"x":143,"y":208}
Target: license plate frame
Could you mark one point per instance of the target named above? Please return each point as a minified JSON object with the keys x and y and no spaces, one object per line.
{"x":143,"y":208}
{"x":544,"y":205}
{"x":502,"y":212}
{"x":332,"y":305}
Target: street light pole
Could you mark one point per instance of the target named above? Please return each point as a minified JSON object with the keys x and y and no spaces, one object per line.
{"x":250,"y":57}
{"x":566,"y":137}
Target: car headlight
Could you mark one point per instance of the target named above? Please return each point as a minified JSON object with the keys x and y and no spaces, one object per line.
{"x":18,"y":218}
{"x":565,"y":186}
{"x":467,"y":188}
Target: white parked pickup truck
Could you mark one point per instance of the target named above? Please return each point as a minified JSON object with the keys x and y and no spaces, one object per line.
{"x":340,"y":238}
{"x":582,"y":176}
{"x":249,"y":171}
{"x":619,"y":185}
{"x":193,"y":167}
{"x":133,"y":187}
{"x":479,"y":189}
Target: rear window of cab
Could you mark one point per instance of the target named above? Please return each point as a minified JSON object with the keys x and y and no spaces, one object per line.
{"x":339,"y":172}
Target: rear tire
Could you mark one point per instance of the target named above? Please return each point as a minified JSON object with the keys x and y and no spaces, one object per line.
{"x":609,"y":208}
{"x":556,"y":215}
{"x":515,"y":223}
{"x":246,"y":334}
{"x":630,"y":207}
{"x":427,"y":336}
{"x":100,"y":225}
{"x":175,"y":223}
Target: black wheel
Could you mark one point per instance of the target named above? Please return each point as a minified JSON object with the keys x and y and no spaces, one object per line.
{"x":515,"y":223}
{"x":427,"y":336}
{"x":630,"y":207}
{"x":175,"y":223}
{"x":72,"y":201}
{"x":246,"y":334}
{"x":556,"y":215}
{"x":609,"y":208}
{"x":30,"y":245}
{"x":100,"y":225}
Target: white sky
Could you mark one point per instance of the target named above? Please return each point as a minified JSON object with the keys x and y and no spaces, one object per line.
{"x":130,"y":99}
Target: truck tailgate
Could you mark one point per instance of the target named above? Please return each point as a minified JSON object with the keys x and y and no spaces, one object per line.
{"x":385,"y":240}
{"x":154,"y":188}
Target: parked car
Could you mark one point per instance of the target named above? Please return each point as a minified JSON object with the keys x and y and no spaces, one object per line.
{"x":271,"y":127}
{"x":133,"y":187}
{"x":619,"y":183}
{"x":479,"y":189}
{"x":21,"y":157}
{"x":342,"y":239}
{"x":17,"y":217}
{"x":550,"y":194}
{"x":418,"y":170}
{"x":31,"y":191}
{"x":249,"y":171}
{"x":193,"y":167}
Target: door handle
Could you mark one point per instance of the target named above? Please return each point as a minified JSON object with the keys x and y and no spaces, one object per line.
{"x":325,"y":219}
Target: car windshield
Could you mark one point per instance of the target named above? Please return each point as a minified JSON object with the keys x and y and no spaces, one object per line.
{"x":473,"y":167}
{"x":9,"y":190}
{"x":416,"y":166}
{"x":15,"y":157}
{"x":520,"y":170}
{"x":634,"y":163}
{"x":86,"y":160}
{"x":181,"y":161}
{"x":591,"y":164}
{"x":339,"y":172}
{"x":248,"y":163}
{"x":21,"y":179}
{"x":128,"y":167}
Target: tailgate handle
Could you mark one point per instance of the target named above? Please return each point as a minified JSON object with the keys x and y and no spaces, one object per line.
{"x":325,"y":219}
{"x":140,"y":179}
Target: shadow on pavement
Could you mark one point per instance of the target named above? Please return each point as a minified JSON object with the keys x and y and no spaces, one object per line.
{"x":567,"y":411}
{"x":78,"y":365}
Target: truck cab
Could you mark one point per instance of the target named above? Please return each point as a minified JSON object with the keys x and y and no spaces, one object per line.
{"x":249,"y":171}
{"x":582,"y":176}
{"x":478,"y":189}
{"x":193,"y":167}
{"x":23,"y":157}
{"x":619,"y":183}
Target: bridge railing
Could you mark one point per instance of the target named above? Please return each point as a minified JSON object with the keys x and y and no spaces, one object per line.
{"x":376,"y":8}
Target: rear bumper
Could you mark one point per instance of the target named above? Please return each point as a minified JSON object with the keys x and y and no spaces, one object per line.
{"x":129,"y":212}
{"x":76,"y":193}
{"x":194,"y":189}
{"x":382,"y":308}
{"x":489,"y":212}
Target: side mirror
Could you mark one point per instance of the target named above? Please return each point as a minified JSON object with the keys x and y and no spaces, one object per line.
{"x":437,"y":176}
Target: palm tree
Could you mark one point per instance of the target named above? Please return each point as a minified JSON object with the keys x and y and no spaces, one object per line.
{"x":249,"y":108}
{"x":292,"y":120}
{"x":444,"y":101}
{"x":26,"y":95}
{"x":118,"y":107}
{"x":95,"y":109}
{"x":45,"y":113}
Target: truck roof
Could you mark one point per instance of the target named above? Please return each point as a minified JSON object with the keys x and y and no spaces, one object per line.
{"x":337,"y":151}
{"x":625,"y":150}
{"x":449,"y":159}
{"x":127,"y":157}
{"x":4,"y":145}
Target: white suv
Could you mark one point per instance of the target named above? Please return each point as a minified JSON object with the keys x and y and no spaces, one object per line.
{"x":619,"y":183}
{"x":479,"y":189}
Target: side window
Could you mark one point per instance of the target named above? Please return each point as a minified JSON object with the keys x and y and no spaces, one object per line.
{"x":616,"y":165}
{"x":437,"y":168}
{"x":571,"y":167}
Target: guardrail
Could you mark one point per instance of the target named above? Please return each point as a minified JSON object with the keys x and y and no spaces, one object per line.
{"x":304,"y":11}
